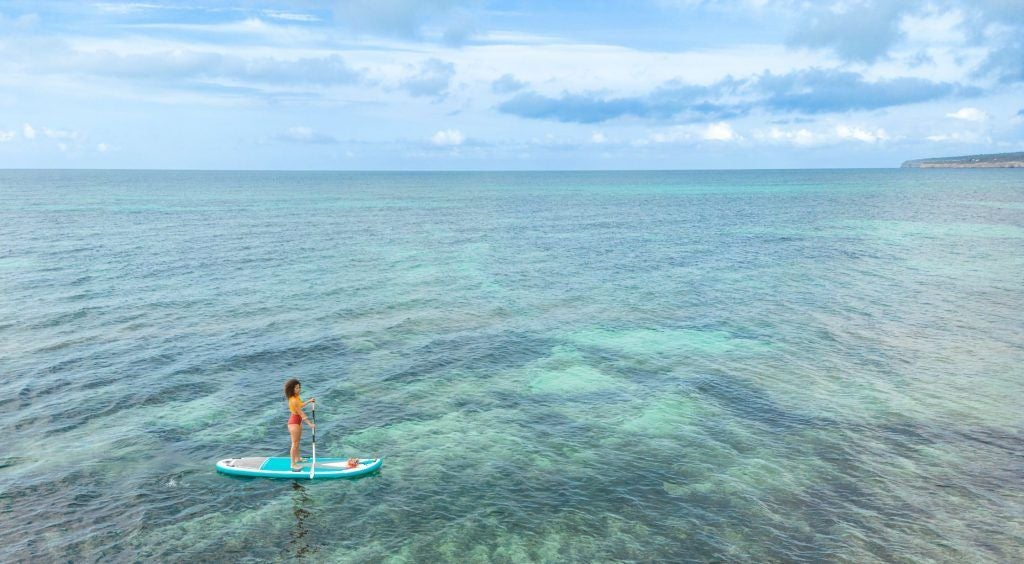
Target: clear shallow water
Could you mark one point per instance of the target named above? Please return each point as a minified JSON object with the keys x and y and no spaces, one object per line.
{"x":787,"y":365}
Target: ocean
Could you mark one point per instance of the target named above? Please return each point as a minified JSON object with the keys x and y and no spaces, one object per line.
{"x":805,"y":365}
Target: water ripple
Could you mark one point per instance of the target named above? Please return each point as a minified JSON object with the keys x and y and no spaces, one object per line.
{"x":706,"y":366}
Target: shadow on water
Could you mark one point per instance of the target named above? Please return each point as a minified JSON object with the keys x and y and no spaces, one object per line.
{"x":304,"y":534}
{"x":298,"y":545}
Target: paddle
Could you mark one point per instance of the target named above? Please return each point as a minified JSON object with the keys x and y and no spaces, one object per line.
{"x":312,"y":467}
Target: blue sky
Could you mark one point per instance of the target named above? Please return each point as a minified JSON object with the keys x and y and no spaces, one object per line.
{"x":449,"y":84}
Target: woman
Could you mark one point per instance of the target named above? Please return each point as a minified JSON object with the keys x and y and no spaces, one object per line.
{"x":295,"y":404}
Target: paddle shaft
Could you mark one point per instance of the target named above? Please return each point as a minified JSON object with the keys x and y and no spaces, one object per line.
{"x":312,"y":467}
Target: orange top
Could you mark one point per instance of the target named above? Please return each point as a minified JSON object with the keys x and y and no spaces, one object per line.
{"x":295,"y":404}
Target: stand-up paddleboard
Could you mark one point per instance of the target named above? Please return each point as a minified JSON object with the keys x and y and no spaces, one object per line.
{"x":280,"y":467}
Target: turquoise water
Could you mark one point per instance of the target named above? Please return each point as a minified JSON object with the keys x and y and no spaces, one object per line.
{"x":685,"y":366}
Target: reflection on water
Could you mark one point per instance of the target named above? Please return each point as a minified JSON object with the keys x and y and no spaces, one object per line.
{"x":298,"y":544}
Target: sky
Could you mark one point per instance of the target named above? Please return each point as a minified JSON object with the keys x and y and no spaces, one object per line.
{"x":501,"y":85}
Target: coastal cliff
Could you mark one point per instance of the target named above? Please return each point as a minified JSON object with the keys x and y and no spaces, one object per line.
{"x":996,"y":160}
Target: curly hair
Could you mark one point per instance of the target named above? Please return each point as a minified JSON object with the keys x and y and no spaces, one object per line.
{"x":289,"y":387}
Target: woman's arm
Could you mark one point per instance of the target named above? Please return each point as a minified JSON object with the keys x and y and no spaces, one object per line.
{"x":309,"y":401}
{"x":302,"y":414}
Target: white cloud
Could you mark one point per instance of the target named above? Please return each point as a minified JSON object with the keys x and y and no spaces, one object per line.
{"x":598,"y":138}
{"x":6,"y":136}
{"x":102,"y":147}
{"x":60,"y":134}
{"x":672,"y":135}
{"x":448,"y":138}
{"x":406,"y":18}
{"x":858,"y":134}
{"x":296,"y":57}
{"x":432,"y":79}
{"x":720,"y":131}
{"x":968,"y":114}
{"x":801,"y":137}
{"x":290,"y":16}
{"x":28,"y":131}
{"x":514,"y":37}
{"x":125,"y":7}
{"x":269,"y":30}
{"x":931,"y":28}
{"x":691,"y":134}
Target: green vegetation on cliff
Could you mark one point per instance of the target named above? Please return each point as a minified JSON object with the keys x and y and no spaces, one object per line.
{"x":996,"y":160}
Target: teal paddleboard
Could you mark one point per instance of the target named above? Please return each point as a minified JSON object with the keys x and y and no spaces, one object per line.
{"x":280,"y":467}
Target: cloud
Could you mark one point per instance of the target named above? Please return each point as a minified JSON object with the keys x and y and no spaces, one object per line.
{"x":126,"y":7}
{"x":598,"y":138}
{"x":507,"y":84}
{"x":28,"y":131}
{"x":1006,"y":62}
{"x":869,"y":30}
{"x":64,"y":134}
{"x":102,"y":147}
{"x":671,"y":135}
{"x":579,"y":108}
{"x":6,"y":136}
{"x":968,"y":114}
{"x":516,"y":38}
{"x":821,"y":91}
{"x":178,"y":68}
{"x":248,"y":29}
{"x":809,"y":137}
{"x":858,"y":134}
{"x":290,"y":16}
{"x":408,"y":18}
{"x":855,"y":30}
{"x":800,"y":137}
{"x":719,"y":132}
{"x":448,"y":138}
{"x":934,"y":26}
{"x":206,"y":65}
{"x":998,"y":25}
{"x":810,"y":91}
{"x":671,"y":100}
{"x":432,"y":79}
{"x":303,"y":134}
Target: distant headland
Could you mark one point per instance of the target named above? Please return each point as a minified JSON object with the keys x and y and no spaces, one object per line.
{"x":996,"y":160}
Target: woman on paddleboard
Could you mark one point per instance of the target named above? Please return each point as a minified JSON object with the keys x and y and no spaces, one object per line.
{"x":295,"y":404}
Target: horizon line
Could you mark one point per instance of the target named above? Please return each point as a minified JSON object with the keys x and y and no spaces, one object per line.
{"x":481,"y":170}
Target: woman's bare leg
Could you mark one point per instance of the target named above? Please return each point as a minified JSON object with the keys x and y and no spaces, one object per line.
{"x":296,"y":432}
